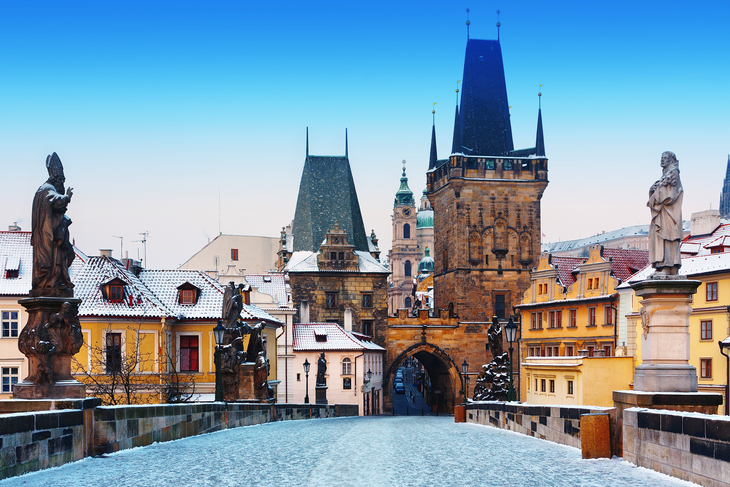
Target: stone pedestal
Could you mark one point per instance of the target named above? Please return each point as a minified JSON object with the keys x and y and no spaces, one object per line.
{"x":243,"y":390}
{"x":665,"y":346}
{"x":50,"y":339}
{"x":321,"y":394}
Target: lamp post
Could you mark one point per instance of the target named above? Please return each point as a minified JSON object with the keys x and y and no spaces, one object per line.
{"x":510,"y":329}
{"x":724,"y":346}
{"x":370,"y":375}
{"x":219,"y":333}
{"x":464,"y":371}
{"x":306,"y":375}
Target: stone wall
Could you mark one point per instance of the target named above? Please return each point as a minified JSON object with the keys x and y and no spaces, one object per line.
{"x":690,"y":446}
{"x":37,"y":440}
{"x":559,"y":424}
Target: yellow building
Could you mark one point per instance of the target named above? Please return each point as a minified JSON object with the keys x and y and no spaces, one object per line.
{"x":705,"y":258}
{"x":569,"y":310}
{"x":151,"y":331}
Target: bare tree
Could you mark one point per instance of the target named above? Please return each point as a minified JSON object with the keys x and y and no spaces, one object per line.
{"x":116,"y":374}
{"x":175,"y":386}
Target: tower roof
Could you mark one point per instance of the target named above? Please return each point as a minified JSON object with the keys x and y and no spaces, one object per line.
{"x":404,"y":195}
{"x":484,"y":124}
{"x":725,"y":194}
{"x":327,"y":195}
{"x":434,"y":153}
{"x":540,"y":140}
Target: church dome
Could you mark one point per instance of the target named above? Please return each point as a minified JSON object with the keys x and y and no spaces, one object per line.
{"x":424,"y":219}
{"x":426,"y":264}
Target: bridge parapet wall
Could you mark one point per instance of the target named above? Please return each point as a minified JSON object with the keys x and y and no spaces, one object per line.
{"x":31,"y":441}
{"x":559,"y":424}
{"x":689,"y":446}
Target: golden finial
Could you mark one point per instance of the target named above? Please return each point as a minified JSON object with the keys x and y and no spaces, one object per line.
{"x":539,"y":97}
{"x":404,"y":166}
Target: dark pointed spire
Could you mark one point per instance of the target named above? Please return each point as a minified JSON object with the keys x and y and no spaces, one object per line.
{"x":434,"y":153}
{"x":725,"y":195}
{"x":540,"y":140}
{"x":345,"y":142}
{"x":456,"y":143}
{"x":307,"y":141}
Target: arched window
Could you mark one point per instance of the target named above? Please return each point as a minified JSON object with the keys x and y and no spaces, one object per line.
{"x":406,"y":231}
{"x":346,"y":366}
{"x":408,"y":303}
{"x":407,"y":268}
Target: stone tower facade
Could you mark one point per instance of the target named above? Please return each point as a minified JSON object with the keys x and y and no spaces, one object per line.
{"x":404,"y":255}
{"x":486,"y":199}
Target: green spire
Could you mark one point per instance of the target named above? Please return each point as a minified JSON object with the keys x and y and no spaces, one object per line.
{"x":404,"y":196}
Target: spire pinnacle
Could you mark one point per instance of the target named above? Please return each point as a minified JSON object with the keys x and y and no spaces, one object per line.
{"x":467,"y":24}
{"x":433,"y":112}
{"x":307,"y":141}
{"x":434,"y":153}
{"x":345,"y":141}
{"x":456,"y":142}
{"x":540,"y":140}
{"x":499,"y":24}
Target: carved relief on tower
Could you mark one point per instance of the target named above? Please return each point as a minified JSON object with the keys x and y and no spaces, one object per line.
{"x":525,"y":249}
{"x":475,"y":247}
{"x":500,"y":236}
{"x":488,"y":240}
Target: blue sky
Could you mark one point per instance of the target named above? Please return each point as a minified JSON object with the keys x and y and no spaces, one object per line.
{"x":156,"y":109}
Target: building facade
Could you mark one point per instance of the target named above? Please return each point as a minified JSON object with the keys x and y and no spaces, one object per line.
{"x":404,"y":255}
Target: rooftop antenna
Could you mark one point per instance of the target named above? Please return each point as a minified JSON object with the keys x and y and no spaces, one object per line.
{"x":467,"y":24}
{"x":219,"y":211}
{"x":121,"y":246}
{"x":433,"y":112}
{"x":144,"y":234}
{"x":498,"y":25}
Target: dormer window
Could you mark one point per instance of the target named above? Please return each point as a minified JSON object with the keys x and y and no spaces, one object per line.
{"x":188,"y":294}
{"x":11,"y":273}
{"x":333,"y":255}
{"x":116,"y":293}
{"x":113,"y":291}
{"x":341,"y":255}
{"x":12,"y":267}
{"x":320,"y":336}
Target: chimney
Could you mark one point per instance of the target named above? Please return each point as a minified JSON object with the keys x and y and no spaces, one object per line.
{"x":304,"y":312}
{"x":348,"y":319}
{"x":705,"y":222}
{"x":105,"y":253}
{"x":14,"y":227}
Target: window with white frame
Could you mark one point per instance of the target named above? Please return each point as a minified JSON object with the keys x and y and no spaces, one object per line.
{"x":189,"y":353}
{"x":9,"y":377}
{"x":346,"y":366}
{"x":10,"y":324}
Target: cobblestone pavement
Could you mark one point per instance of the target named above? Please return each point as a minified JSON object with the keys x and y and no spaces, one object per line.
{"x":367,"y":451}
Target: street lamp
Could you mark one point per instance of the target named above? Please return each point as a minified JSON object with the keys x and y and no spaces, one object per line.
{"x":464,"y":371}
{"x":724,"y":345}
{"x":510,"y":329}
{"x":219,"y":333}
{"x":370,"y":375}
{"x":306,"y":374}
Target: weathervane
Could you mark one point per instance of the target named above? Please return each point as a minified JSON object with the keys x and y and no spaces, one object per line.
{"x":498,"y":25}
{"x":457,"y":91}
{"x":404,"y":166}
{"x":539,"y":98}
{"x":467,"y":24}
{"x":433,"y":112}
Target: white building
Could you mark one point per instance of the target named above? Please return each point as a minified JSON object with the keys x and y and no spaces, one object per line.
{"x":350,"y":356}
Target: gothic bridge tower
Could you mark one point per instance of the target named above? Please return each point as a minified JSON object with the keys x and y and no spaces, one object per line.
{"x":486,"y":198}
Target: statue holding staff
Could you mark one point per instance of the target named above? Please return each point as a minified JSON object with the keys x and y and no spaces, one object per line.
{"x":665,"y":230}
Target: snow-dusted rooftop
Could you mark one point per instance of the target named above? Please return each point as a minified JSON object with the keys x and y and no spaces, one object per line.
{"x":272,"y":284}
{"x":329,"y":336}
{"x":305,"y":261}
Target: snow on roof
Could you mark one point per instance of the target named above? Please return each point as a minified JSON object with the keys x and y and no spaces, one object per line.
{"x":335,"y":338}
{"x":164,"y":285}
{"x":272,"y":284}
{"x":251,"y":312}
{"x":16,"y":253}
{"x":691,"y":266}
{"x":305,"y":261}
{"x":703,"y":244}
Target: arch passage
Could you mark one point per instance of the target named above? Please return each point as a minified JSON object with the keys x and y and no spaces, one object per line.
{"x":446,"y":386}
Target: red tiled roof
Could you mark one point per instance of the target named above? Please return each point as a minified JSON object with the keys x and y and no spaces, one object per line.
{"x":565,"y":266}
{"x":625,"y":263}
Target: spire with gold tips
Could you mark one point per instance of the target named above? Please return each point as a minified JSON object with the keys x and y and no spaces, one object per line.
{"x":434,"y":155}
{"x":540,"y":140}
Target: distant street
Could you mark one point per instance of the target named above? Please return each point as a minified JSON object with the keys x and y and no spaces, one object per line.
{"x":412,"y":403}
{"x":367,"y":451}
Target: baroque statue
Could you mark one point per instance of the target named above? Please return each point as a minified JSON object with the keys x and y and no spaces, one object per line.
{"x":665,"y":230}
{"x":52,"y":249}
{"x":493,"y":380}
{"x":321,"y":370}
{"x":52,"y":335}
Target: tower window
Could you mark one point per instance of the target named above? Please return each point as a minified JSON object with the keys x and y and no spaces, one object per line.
{"x":407,"y":268}
{"x":499,"y":306}
{"x":406,"y":231}
{"x":408,"y":303}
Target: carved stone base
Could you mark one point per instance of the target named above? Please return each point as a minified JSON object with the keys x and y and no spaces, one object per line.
{"x":321,"y":394}
{"x":244,"y":390}
{"x":66,"y":389}
{"x":665,"y":378}
{"x":665,"y":310}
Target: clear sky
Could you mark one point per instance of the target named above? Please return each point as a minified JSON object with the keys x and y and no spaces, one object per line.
{"x":157,"y":108}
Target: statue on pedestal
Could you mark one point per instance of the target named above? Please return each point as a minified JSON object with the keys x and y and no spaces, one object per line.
{"x":497,"y":372}
{"x":321,"y":370}
{"x":52,"y":335}
{"x":665,"y":230}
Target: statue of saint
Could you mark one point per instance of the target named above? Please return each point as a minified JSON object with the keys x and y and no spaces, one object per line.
{"x":232,"y":306}
{"x":321,"y":370}
{"x":665,"y":231}
{"x":52,"y":249}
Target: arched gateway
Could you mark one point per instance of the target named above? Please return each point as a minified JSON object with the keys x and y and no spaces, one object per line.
{"x":445,"y":381}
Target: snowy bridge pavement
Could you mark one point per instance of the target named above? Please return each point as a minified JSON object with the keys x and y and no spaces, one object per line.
{"x":368,"y":451}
